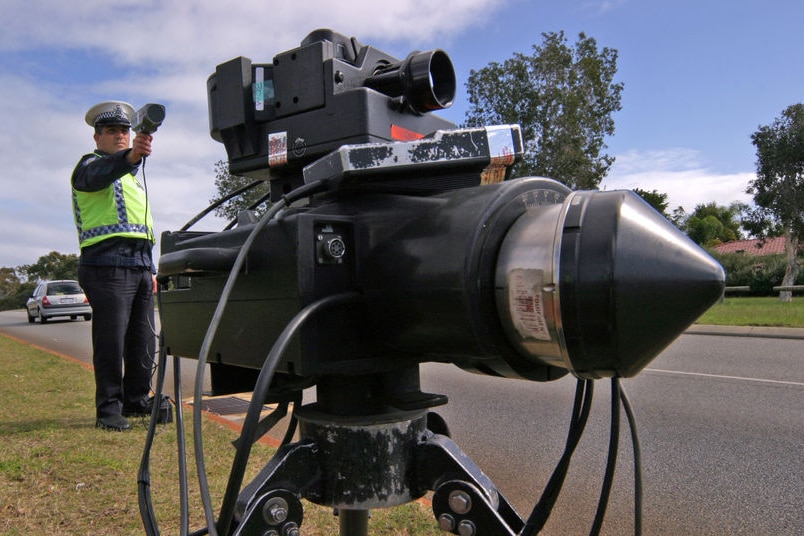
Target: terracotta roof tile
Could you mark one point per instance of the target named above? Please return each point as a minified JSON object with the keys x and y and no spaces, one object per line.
{"x":769,"y":246}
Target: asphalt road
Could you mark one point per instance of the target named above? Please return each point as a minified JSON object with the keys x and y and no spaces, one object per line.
{"x":720,"y":419}
{"x":73,"y":339}
{"x":721,"y":425}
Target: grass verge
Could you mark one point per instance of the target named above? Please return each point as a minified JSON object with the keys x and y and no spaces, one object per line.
{"x":738,"y":311}
{"x":60,"y":475}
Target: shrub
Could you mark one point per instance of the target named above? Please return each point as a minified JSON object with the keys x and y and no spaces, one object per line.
{"x":761,"y":273}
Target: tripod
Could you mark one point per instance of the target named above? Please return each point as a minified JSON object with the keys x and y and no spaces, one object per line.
{"x":370,"y":442}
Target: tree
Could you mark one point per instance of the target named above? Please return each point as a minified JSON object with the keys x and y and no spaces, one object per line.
{"x":655,"y":199}
{"x":563,"y":98}
{"x":13,"y":290}
{"x":679,"y":217}
{"x":17,"y":284}
{"x":778,"y":189}
{"x":9,"y":281}
{"x":711,"y":224}
{"x":54,"y":265}
{"x":227,"y":183}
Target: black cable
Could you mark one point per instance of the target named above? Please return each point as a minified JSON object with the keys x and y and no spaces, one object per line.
{"x":212,"y":329}
{"x":611,"y":463}
{"x":293,"y":422}
{"x":143,"y":476}
{"x":146,"y":504}
{"x":147,"y":203}
{"x":202,"y":361}
{"x":152,"y":238}
{"x":584,"y":390}
{"x":259,"y":394}
{"x":252,"y":206}
{"x":637,"y":450}
{"x":219,"y":202}
{"x":181,"y":450}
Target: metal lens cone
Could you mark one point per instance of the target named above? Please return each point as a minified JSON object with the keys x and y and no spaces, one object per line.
{"x":630,"y":282}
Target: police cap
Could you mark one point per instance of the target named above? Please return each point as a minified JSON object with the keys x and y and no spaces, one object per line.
{"x":110,"y":113}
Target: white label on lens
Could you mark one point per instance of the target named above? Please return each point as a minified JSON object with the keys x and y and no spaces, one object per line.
{"x":526,"y":303}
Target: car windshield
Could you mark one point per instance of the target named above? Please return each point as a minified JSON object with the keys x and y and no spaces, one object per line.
{"x":58,"y":289}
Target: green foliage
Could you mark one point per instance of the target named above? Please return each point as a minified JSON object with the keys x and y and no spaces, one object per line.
{"x":761,"y":273}
{"x":656,"y":199}
{"x":9,"y":281}
{"x":17,"y":284}
{"x":563,"y":97}
{"x":54,"y":265}
{"x":227,"y":183}
{"x":778,"y":189}
{"x":17,"y":298}
{"x":711,"y":224}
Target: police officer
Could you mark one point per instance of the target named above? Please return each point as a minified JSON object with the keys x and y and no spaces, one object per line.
{"x":115,"y":234}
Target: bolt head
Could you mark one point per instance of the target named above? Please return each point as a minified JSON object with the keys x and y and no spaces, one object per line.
{"x":467,"y":528}
{"x":460,"y":502}
{"x":446,"y":522}
{"x":291,"y":529}
{"x":275,"y":510}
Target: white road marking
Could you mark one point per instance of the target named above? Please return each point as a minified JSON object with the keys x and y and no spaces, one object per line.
{"x":721,"y":376}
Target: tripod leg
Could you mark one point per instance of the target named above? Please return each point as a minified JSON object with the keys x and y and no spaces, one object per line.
{"x":465,"y":500}
{"x":280,"y":485}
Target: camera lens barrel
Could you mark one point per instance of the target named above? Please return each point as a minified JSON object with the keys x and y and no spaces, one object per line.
{"x":431,"y":81}
{"x":426,"y":80}
{"x":601,"y":284}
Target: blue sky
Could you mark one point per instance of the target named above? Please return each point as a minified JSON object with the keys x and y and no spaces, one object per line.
{"x":700,"y":76}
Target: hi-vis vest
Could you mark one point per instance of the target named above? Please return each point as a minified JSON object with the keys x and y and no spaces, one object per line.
{"x":117,"y":210}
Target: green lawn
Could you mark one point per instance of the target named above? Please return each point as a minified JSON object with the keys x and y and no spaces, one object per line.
{"x":61,"y":475}
{"x":738,"y":311}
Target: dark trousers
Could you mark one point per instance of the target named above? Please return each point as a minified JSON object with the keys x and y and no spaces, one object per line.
{"x":122,"y":335}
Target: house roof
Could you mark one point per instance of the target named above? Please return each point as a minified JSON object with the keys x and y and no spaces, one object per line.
{"x":757,"y":247}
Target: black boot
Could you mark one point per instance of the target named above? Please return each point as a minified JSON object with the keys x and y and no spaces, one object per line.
{"x":164,"y":413}
{"x":118,"y":423}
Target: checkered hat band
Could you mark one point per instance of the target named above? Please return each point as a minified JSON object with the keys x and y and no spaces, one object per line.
{"x":116,"y":116}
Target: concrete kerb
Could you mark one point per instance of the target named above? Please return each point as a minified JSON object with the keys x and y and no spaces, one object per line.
{"x":767,"y":332}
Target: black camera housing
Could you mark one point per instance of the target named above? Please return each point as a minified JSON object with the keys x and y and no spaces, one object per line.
{"x":396,"y":239}
{"x":452,"y":261}
{"x":275,"y":118}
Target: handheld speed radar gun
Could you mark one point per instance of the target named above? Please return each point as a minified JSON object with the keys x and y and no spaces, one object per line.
{"x":394,"y":238}
{"x":148,"y":118}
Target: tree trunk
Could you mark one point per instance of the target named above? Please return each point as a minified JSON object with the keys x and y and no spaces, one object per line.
{"x":791,"y":271}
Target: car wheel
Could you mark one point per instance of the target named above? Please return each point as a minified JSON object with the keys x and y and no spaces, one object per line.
{"x":88,"y":317}
{"x":42,"y":318}
{"x":31,"y":319}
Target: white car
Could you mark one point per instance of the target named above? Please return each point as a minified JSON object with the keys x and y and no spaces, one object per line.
{"x":58,"y":298}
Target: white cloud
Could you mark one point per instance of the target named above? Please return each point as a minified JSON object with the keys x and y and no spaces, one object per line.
{"x":679,"y":173}
{"x":163,"y":52}
{"x":603,"y":6}
{"x":156,"y":52}
{"x":193,"y":32}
